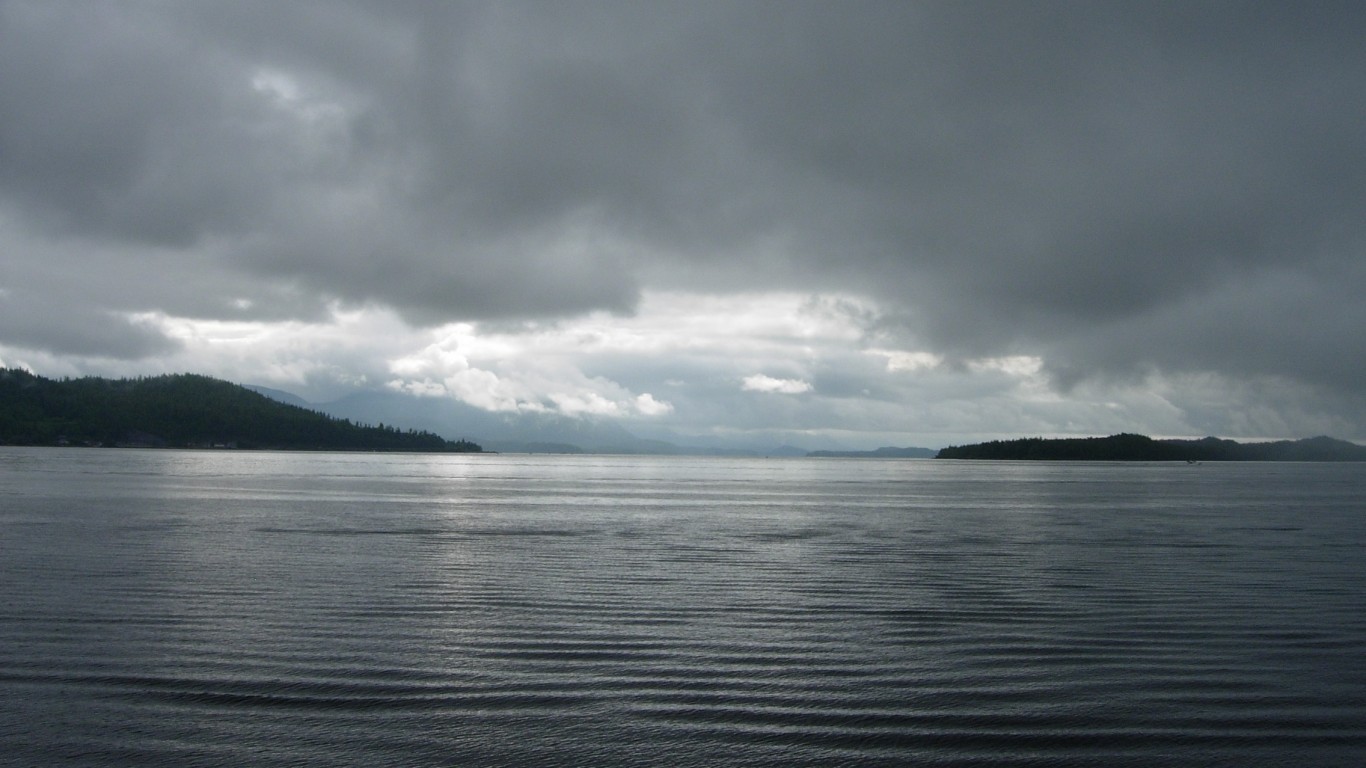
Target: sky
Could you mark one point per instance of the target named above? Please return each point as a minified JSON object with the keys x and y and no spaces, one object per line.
{"x":853,"y":223}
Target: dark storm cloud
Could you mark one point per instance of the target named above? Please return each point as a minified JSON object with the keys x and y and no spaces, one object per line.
{"x":79,"y":331}
{"x":1120,"y":187}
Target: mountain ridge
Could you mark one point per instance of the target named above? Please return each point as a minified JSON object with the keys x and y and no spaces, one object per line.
{"x":886,"y":452}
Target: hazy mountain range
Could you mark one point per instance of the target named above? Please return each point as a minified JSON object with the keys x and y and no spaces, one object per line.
{"x":538,"y":432}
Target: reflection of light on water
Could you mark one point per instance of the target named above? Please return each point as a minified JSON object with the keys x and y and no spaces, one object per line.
{"x":385,"y":608}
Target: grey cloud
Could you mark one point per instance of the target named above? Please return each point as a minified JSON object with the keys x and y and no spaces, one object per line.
{"x":51,"y":322}
{"x":1118,"y":187}
{"x":1288,"y":324}
{"x":82,"y":332}
{"x":117,"y":127}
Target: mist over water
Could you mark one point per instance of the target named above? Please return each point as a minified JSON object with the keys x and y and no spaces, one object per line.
{"x":229,"y":608}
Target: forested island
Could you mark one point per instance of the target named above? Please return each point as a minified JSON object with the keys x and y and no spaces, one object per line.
{"x":1129,"y":447}
{"x":183,"y":411}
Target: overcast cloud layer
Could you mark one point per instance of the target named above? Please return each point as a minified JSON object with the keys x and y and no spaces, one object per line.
{"x":909,"y":223}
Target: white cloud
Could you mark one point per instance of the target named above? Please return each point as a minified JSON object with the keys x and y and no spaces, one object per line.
{"x":676,"y":363}
{"x":584,"y":403}
{"x":762,"y":383}
{"x":535,"y":370}
{"x":1014,"y":365}
{"x":647,"y":405}
{"x":898,"y":360}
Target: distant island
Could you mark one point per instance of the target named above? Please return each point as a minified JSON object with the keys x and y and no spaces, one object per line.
{"x":880,"y":453}
{"x":184,"y":411}
{"x":1129,"y":447}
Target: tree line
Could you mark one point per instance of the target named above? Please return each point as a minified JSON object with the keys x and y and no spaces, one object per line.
{"x":183,"y":410}
{"x":1130,"y":447}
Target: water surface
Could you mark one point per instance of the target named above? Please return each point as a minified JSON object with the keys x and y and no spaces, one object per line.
{"x":226,"y":608}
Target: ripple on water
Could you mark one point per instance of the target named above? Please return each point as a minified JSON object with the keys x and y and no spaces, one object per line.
{"x":910,"y":613}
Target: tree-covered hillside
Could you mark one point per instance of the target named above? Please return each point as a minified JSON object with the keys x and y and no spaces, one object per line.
{"x":182,"y":410}
{"x":1128,"y":447}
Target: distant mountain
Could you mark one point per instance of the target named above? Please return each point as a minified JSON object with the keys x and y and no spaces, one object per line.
{"x":1129,"y":447}
{"x":183,"y":410}
{"x":531,"y":432}
{"x":504,"y":432}
{"x":880,"y":453}
{"x":279,"y":395}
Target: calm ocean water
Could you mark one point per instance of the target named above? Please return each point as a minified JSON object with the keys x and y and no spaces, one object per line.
{"x":235,"y":608}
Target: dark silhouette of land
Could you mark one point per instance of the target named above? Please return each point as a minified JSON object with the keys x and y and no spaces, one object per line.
{"x":183,"y":411}
{"x":1128,"y":447}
